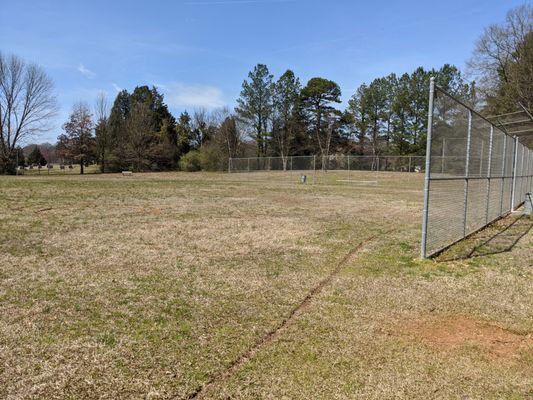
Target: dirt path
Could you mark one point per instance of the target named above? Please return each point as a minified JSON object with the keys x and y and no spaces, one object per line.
{"x":274,"y":334}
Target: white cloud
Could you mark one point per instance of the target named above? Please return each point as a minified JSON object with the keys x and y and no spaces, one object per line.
{"x":182,"y":95}
{"x":116,"y":87}
{"x":86,"y":72}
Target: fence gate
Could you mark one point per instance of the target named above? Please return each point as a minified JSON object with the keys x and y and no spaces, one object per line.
{"x":475,"y":172}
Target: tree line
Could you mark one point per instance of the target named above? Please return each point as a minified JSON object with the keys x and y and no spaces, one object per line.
{"x":139,"y":133}
{"x":273,"y":117}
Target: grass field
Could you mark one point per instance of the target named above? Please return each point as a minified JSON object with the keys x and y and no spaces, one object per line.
{"x":247,"y":286}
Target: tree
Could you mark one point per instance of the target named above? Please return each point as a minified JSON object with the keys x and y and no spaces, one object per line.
{"x":401,"y":138}
{"x":202,"y":127}
{"x":19,"y":155}
{"x":48,"y":150}
{"x":317,"y":98}
{"x":101,"y":130}
{"x":285,"y":122}
{"x":391,"y":113}
{"x":26,"y":105}
{"x":376,"y":98}
{"x":139,"y":125}
{"x":501,"y":61}
{"x":143,"y":134}
{"x":36,"y":157}
{"x":118,"y":135}
{"x":359,"y":110}
{"x":184,"y":133}
{"x":521,"y":73}
{"x":78,"y":141}
{"x":230,"y":135}
{"x":255,"y":105}
{"x":225,"y":140}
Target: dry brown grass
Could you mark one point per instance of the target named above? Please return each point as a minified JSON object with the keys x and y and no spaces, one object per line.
{"x":150,"y":286}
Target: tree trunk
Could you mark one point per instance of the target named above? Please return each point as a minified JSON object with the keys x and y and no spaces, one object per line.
{"x":81,"y":166}
{"x":318,"y":123}
{"x":102,"y":167}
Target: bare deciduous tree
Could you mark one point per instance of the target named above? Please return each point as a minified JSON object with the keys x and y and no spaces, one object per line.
{"x":332,"y":125}
{"x":101,"y":112}
{"x":231,"y":136}
{"x":228,"y":133}
{"x":26,"y":104}
{"x":202,"y":123}
{"x":499,"y":50}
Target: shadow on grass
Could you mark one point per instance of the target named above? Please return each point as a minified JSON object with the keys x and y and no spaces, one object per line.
{"x":500,"y":237}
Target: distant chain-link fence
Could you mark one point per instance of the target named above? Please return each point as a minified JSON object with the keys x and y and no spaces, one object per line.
{"x":476,"y":173}
{"x":335,"y":162}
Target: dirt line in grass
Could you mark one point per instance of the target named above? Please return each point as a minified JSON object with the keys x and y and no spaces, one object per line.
{"x":274,"y":334}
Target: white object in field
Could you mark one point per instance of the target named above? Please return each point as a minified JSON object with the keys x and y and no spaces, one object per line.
{"x":303,"y":178}
{"x":528,"y":204}
{"x":127,"y":173}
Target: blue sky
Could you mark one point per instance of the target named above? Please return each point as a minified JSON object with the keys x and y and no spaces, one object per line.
{"x":199,"y":51}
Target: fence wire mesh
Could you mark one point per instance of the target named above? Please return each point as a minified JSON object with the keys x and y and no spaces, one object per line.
{"x":326,"y":169}
{"x":477,"y":173}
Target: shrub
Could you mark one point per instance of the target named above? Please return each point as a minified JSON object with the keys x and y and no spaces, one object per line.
{"x":211,"y":158}
{"x":191,"y":161}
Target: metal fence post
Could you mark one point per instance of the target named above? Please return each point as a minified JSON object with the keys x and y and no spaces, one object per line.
{"x":349,"y":168}
{"x":489,"y":171}
{"x":409,"y":170}
{"x":513,"y":185}
{"x":529,"y":165}
{"x":423,"y":247}
{"x":248,"y":164}
{"x":528,"y":170}
{"x":522,"y":175}
{"x":481,"y":158}
{"x":443,"y":154}
{"x":229,"y":166}
{"x":504,"y":161}
{"x":467,"y":170}
{"x":314,"y":169}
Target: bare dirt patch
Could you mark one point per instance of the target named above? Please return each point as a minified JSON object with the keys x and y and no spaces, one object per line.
{"x":454,"y":332}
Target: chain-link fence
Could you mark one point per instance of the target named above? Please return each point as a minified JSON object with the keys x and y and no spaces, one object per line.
{"x":475,"y":173}
{"x":334,"y":162}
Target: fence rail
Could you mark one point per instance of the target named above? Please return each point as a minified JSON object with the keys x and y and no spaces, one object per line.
{"x":475,"y":172}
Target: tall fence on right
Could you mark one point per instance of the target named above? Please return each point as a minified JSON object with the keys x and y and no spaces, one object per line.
{"x":475,"y":173}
